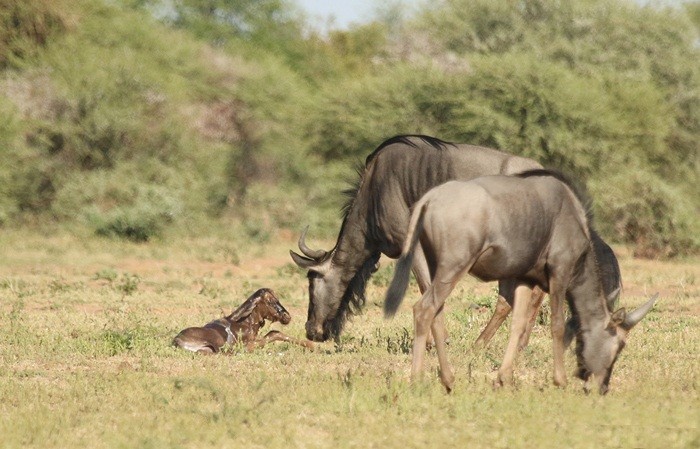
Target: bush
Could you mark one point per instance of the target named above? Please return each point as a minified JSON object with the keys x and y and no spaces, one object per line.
{"x":141,"y":221}
{"x":637,"y":207}
{"x":26,"y":25}
{"x":125,"y":202}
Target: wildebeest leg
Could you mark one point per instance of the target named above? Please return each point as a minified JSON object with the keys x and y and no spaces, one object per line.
{"x":533,"y":310}
{"x":499,"y":315}
{"x":424,"y":313}
{"x":521,"y":298}
{"x":440,"y":334}
{"x":422,"y":274}
{"x":277,"y":336}
{"x":556,"y":299}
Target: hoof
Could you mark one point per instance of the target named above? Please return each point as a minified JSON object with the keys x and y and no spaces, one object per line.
{"x":504,"y":379}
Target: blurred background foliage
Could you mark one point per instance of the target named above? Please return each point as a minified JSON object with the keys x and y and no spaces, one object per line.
{"x":142,"y":119}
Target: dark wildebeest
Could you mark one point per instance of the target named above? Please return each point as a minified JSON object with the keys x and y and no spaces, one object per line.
{"x":526,"y":230}
{"x":394,"y":177}
{"x":241,"y":326}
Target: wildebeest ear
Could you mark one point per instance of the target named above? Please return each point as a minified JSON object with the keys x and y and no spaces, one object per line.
{"x":245,"y":309}
{"x":618,"y":317}
{"x":612,"y":297}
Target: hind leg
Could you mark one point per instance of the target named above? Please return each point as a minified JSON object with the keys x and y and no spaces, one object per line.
{"x":440,"y":334}
{"x":195,"y":345}
{"x":425,"y":312}
{"x":533,"y":310}
{"x":503,"y":308}
{"x":422,"y":274}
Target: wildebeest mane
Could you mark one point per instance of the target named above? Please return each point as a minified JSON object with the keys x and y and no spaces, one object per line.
{"x":407,"y":139}
{"x":354,"y":297}
{"x":579,"y":190}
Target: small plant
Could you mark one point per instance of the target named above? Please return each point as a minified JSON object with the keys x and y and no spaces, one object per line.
{"x":58,"y":285}
{"x":106,"y":274}
{"x":210,"y":288}
{"x":401,"y":344}
{"x":118,"y":342}
{"x":128,"y":283}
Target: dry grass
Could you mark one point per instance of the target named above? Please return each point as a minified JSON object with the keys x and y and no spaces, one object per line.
{"x":85,"y":360}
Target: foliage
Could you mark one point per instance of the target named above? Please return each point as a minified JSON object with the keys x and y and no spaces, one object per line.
{"x":590,"y":88}
{"x":659,"y":219}
{"x":135,"y":117}
{"x":26,"y":25}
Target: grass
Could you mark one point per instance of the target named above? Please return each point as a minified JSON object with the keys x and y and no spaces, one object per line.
{"x":85,"y":361}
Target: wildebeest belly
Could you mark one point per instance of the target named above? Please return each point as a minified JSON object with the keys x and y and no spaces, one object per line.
{"x":498,"y":263}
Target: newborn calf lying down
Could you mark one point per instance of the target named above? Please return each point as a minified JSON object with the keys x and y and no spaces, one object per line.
{"x":241,"y":326}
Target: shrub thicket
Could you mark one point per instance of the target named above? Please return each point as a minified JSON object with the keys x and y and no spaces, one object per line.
{"x":136,"y":116}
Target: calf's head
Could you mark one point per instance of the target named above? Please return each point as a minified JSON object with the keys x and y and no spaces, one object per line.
{"x":271,"y":308}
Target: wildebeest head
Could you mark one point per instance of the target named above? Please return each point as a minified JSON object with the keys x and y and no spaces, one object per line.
{"x":325,"y":291}
{"x":334,"y":289}
{"x":598,"y":348}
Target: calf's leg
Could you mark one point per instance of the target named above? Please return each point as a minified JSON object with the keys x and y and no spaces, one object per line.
{"x":277,"y":336}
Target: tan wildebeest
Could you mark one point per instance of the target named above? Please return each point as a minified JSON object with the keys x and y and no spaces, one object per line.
{"x":526,"y":230}
{"x":242,"y":325}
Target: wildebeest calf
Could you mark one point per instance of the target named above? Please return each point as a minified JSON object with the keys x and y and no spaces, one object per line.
{"x":242,"y":325}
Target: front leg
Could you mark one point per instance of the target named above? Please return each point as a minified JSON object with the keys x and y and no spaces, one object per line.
{"x":521,"y":301}
{"x":277,"y":336}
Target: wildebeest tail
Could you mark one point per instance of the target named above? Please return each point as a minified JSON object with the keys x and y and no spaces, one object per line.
{"x":402,"y":272}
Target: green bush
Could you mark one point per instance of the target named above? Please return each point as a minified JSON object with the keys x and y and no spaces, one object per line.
{"x":131,"y":127}
{"x":637,"y":207}
{"x":26,"y":25}
{"x":135,"y":210}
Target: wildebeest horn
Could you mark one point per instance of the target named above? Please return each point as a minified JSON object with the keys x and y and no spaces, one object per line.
{"x":613,"y":295}
{"x":634,"y":317}
{"x":316,"y":254}
{"x":303,"y":262}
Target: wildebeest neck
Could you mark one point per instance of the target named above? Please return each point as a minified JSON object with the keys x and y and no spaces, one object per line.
{"x":353,"y":260}
{"x":586,"y":299}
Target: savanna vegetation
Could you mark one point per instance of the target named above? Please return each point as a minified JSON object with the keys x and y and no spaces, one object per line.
{"x":142,"y":118}
{"x":159,"y":157}
{"x":85,"y":360}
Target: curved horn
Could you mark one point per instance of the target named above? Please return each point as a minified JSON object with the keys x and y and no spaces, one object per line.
{"x":636,"y":316}
{"x":301,"y":261}
{"x":316,"y":254}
